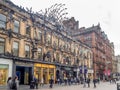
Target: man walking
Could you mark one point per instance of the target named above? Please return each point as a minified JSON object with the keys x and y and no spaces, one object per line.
{"x":84,"y":83}
{"x":88,"y":82}
{"x":94,"y":82}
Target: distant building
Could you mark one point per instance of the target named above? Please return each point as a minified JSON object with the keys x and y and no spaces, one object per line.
{"x":117,"y":64}
{"x":102,"y":48}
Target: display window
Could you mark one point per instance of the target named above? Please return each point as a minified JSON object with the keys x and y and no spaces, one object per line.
{"x":51,"y":72}
{"x":37,"y":73}
{"x":45,"y":72}
{"x":3,"y":74}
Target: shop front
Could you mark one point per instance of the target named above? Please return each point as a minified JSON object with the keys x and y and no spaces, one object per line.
{"x":5,"y":70}
{"x":67,"y":71}
{"x":45,"y":72}
{"x":24,"y":71}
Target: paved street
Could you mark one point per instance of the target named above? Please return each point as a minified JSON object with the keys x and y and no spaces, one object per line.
{"x":101,"y":86}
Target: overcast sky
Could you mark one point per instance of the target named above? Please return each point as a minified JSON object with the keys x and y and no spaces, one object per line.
{"x":87,"y":12}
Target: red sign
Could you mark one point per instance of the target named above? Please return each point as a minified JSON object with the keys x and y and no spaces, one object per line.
{"x":107,"y":72}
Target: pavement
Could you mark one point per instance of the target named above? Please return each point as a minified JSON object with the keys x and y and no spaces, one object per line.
{"x":101,"y":86}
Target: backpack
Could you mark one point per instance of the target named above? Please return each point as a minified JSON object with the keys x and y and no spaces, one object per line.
{"x":13,"y":84}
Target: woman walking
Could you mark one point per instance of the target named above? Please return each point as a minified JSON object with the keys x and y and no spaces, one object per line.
{"x":9,"y":83}
{"x":15,"y":84}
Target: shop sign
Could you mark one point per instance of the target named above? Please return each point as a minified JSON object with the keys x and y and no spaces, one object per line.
{"x":24,"y":63}
{"x":4,"y":66}
{"x":90,"y":71}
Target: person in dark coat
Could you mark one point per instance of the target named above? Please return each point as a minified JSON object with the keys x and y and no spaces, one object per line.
{"x":84,"y":83}
{"x":94,"y":82}
{"x":69,"y":80}
{"x":51,"y":82}
{"x":36,"y":83}
{"x":9,"y":81}
{"x":88,"y":82}
{"x":15,"y":83}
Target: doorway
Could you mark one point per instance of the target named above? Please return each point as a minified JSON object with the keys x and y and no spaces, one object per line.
{"x":24,"y":74}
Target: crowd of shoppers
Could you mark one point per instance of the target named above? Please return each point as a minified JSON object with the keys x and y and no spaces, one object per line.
{"x":13,"y":83}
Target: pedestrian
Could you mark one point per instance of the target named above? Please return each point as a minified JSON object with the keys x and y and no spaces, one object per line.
{"x":65,"y":80}
{"x":72,"y":81}
{"x":110,"y":80}
{"x":42,"y":82}
{"x":58,"y":81}
{"x":88,"y":82}
{"x":9,"y":81}
{"x":98,"y":80}
{"x":51,"y":82}
{"x":84,"y":83}
{"x":69,"y":80}
{"x":15,"y":83}
{"x":94,"y":82}
{"x":36,"y":82}
{"x":78,"y":81}
{"x":114,"y":80}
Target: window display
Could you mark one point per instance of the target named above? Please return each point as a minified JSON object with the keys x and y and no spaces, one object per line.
{"x":3,"y":74}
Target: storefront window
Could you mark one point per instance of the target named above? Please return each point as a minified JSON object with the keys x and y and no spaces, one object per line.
{"x":2,"y":21}
{"x":15,"y":48}
{"x":37,"y":73}
{"x":27,"y":51}
{"x":45,"y":75}
{"x":2,"y":45}
{"x":44,"y":72}
{"x":51,"y":73}
{"x":16,"y":26}
{"x":3,"y":74}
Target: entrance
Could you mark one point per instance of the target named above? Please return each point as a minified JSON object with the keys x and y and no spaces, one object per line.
{"x":24,"y":74}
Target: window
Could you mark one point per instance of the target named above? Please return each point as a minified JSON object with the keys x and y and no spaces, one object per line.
{"x":35,"y":34}
{"x":48,"y":39}
{"x":15,"y":48}
{"x":16,"y":26}
{"x":2,"y":21}
{"x":2,"y":45}
{"x":57,"y":57}
{"x":28,"y":30}
{"x":39,"y":35}
{"x":39,"y":52}
{"x":27,"y":51}
{"x":4,"y":69}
